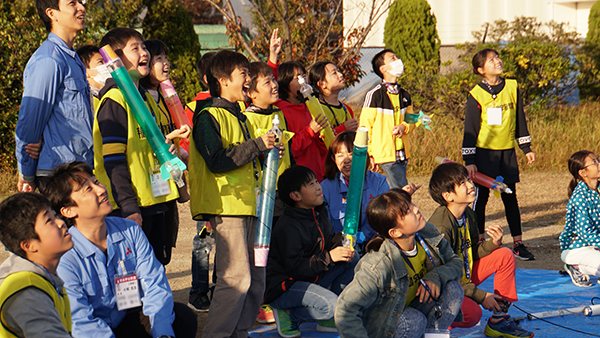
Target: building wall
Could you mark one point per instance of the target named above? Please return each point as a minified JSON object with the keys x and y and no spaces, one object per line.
{"x":457,"y":19}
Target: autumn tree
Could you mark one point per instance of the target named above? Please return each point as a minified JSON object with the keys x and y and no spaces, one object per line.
{"x":311,"y":30}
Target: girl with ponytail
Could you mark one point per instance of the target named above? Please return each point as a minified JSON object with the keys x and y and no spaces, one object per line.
{"x":580,"y":238}
{"x":408,"y":280}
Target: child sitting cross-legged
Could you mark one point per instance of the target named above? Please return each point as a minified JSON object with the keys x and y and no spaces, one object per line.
{"x":307,"y":267}
{"x":452,"y":188}
{"x":407,"y":281}
{"x":32,"y":297}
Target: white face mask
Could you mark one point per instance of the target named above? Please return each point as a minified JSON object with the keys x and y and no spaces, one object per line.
{"x":397,"y":68}
{"x":103,"y":74}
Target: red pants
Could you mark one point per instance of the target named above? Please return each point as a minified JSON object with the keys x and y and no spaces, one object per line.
{"x":501,"y":262}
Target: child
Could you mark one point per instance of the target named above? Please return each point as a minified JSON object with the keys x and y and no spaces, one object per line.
{"x":124,"y":161}
{"x":451,"y":187}
{"x":335,"y":186}
{"x":307,"y":146}
{"x":388,"y":296}
{"x":32,"y":297}
{"x":580,"y":239}
{"x":224,"y":171}
{"x":95,"y":70}
{"x":198,"y":299}
{"x":106,"y":249}
{"x":307,"y":268}
{"x":263,"y":92}
{"x":383,"y":114}
{"x":494,"y":124}
{"x":329,"y":81}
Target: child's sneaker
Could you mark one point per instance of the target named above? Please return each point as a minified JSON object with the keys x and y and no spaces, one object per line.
{"x":577,"y":277}
{"x":505,"y":327}
{"x":326,"y":326}
{"x":285,"y":327}
{"x":199,"y":302}
{"x":265,"y":315}
{"x":522,"y":253}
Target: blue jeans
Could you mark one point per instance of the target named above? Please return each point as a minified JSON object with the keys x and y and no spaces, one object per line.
{"x":200,"y":261}
{"x":395,"y":173}
{"x":417,"y":317}
{"x":314,"y":301}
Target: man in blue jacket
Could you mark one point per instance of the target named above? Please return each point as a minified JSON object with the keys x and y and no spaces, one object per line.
{"x":116,"y":286}
{"x":56,"y":97}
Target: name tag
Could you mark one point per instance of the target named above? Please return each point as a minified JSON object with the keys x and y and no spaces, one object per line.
{"x":127,"y":291}
{"x":494,"y":116}
{"x":159,"y":186}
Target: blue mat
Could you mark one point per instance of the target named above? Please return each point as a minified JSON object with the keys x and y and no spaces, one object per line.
{"x":539,"y":290}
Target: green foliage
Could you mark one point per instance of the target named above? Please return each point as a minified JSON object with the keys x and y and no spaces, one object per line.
{"x":20,"y":36}
{"x":168,"y":21}
{"x":589,"y":58}
{"x":411,"y":33}
{"x":103,"y":15}
{"x":541,"y":57}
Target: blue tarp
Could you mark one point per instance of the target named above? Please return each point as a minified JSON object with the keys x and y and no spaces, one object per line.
{"x":538,"y":290}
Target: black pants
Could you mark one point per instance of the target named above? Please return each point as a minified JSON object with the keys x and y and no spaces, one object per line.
{"x":511,"y":209}
{"x":136,"y":324}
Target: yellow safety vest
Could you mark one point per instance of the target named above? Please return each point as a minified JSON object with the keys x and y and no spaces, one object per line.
{"x":336,"y":115}
{"x":262,"y":122}
{"x":24,"y":279}
{"x":498,"y":137}
{"x":139,"y":154}
{"x":231,"y":193}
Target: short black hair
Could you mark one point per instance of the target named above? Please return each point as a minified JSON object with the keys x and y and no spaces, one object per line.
{"x":318,"y":73}
{"x":285,"y":75}
{"x":222,"y":66}
{"x":378,"y":61}
{"x":202,"y":66}
{"x":117,"y":38}
{"x":258,"y":69}
{"x":17,"y":219}
{"x":155,"y":47}
{"x":65,"y":179}
{"x":86,"y":52}
{"x":41,"y":6}
{"x":292,"y":179}
{"x":445,"y":178}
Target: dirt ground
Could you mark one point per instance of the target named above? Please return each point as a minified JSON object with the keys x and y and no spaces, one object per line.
{"x":542,"y":198}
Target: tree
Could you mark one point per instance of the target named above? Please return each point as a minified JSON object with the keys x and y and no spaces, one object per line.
{"x":589,"y":58}
{"x":541,"y":57}
{"x":410,"y":31}
{"x":311,"y":30}
{"x":169,"y":21}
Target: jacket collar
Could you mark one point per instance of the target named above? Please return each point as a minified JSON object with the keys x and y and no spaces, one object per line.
{"x":342,"y":182}
{"x":62,"y":45}
{"x":301,"y":213}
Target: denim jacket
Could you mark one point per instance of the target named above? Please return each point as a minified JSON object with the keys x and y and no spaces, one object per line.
{"x":371,"y":305}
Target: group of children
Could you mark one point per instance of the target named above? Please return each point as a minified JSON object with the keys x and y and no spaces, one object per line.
{"x":105,"y":275}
